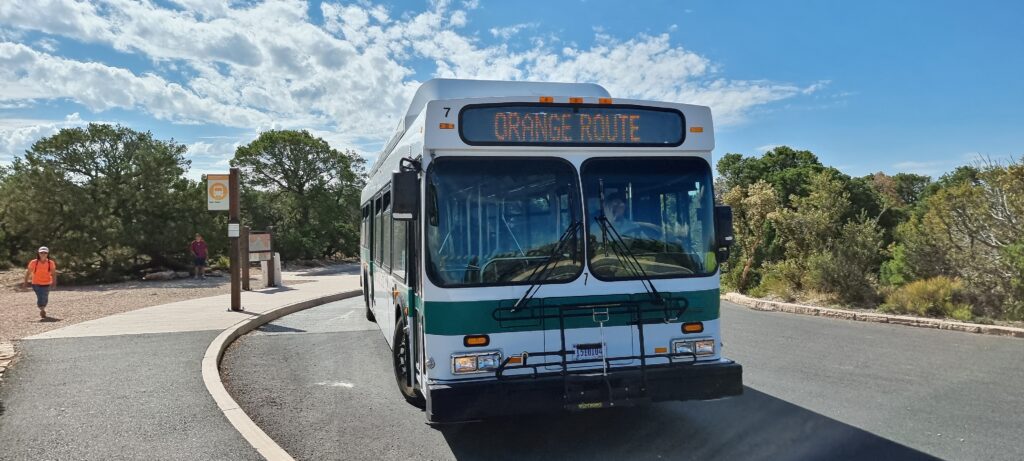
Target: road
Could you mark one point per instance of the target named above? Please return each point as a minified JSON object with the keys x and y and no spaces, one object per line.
{"x":114,"y":397}
{"x":319,"y":383}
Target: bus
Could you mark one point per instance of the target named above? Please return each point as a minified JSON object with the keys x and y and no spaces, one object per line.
{"x":538,"y":246}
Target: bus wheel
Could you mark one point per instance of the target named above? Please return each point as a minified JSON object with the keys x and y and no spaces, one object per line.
{"x":400,"y":358}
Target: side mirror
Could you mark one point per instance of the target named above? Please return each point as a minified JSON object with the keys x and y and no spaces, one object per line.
{"x":723,"y":226}
{"x":723,"y":231}
{"x":405,"y":195}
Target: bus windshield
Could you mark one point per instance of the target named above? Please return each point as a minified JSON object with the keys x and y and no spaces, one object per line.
{"x":662,"y":208}
{"x":497,"y":221}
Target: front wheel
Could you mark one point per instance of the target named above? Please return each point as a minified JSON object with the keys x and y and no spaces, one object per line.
{"x":400,"y":358}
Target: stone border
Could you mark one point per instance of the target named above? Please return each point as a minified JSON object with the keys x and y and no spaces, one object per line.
{"x":211,"y":373}
{"x":7,"y":353}
{"x":941,"y":324}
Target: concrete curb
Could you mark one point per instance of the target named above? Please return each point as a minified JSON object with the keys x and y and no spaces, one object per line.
{"x":940,"y":324}
{"x":211,"y":373}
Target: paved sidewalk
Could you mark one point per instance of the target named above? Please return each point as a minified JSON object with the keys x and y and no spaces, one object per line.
{"x":129,"y":386}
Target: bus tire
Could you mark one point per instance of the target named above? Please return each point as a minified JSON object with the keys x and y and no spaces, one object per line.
{"x":400,"y":360}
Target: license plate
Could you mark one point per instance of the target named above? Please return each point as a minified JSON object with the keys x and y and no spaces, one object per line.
{"x":589,"y":351}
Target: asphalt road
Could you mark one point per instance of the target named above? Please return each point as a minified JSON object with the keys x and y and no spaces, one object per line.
{"x":112,"y":398}
{"x":319,"y":383}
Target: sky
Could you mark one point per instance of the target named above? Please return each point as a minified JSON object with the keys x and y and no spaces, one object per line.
{"x":909,"y":86}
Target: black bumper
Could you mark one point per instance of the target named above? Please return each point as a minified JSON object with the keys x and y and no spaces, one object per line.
{"x":466,"y":401}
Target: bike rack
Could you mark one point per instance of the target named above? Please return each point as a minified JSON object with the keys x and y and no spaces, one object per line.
{"x":639,"y":316}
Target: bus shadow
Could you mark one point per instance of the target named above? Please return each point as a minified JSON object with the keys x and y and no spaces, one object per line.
{"x":752,"y":426}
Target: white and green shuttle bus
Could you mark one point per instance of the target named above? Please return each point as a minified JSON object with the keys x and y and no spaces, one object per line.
{"x":531,"y":246}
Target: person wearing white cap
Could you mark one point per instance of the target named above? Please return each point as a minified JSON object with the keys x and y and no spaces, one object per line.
{"x":42,"y":272}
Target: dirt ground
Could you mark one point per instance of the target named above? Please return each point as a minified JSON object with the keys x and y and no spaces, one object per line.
{"x":19,"y":316}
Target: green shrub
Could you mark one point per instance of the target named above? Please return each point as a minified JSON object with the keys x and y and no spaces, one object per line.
{"x":220,"y":262}
{"x":935,"y":297}
{"x":781,"y":280}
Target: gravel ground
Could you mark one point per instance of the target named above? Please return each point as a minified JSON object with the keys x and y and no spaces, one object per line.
{"x":19,"y":316}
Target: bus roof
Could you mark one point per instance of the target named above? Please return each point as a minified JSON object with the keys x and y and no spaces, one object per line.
{"x":452,"y":88}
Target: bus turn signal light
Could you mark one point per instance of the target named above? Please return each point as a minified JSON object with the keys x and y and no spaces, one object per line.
{"x":476,"y":340}
{"x":515,"y":360}
{"x":547,"y":99}
{"x":447,"y":126}
{"x":693,"y":327}
{"x":660,"y":350}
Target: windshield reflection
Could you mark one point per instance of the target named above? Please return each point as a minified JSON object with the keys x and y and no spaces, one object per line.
{"x":495,"y":221}
{"x":662,"y":207}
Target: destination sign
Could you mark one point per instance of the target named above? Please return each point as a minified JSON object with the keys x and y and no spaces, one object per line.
{"x":565,"y":124}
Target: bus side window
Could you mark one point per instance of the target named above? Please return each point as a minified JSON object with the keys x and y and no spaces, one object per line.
{"x":400,"y":245}
{"x":377,"y":211}
{"x":364,"y":230}
{"x":386,"y":231}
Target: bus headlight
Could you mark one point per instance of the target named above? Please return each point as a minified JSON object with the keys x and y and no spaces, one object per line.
{"x":475,"y":363}
{"x":464,"y":364}
{"x":682,"y":347}
{"x":704,"y":347}
{"x":698,"y":347}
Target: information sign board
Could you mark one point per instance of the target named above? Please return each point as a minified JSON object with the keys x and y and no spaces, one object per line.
{"x":217,"y":197}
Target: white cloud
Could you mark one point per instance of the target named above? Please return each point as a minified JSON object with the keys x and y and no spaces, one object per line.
{"x":508,"y":32}
{"x":266,"y":65}
{"x":211,"y":155}
{"x":17,"y":135}
{"x":930,"y":168}
{"x":28,"y":74}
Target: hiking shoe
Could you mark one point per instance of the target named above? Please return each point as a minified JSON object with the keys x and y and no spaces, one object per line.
{"x":42,"y":313}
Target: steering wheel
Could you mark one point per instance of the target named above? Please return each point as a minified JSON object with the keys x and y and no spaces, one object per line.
{"x":646,"y":230}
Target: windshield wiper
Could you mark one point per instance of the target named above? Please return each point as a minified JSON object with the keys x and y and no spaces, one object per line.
{"x":622,"y":252}
{"x":540,"y":272}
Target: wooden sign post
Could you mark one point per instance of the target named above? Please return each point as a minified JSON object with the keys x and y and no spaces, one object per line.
{"x":233,"y":233}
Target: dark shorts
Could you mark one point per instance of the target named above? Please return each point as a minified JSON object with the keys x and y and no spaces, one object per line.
{"x":42,"y":295}
{"x":199,"y":262}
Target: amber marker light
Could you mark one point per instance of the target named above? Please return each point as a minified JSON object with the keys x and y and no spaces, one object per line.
{"x":447,"y":126}
{"x":547,"y":99}
{"x":660,"y":350}
{"x":476,"y":340}
{"x":693,"y":327}
{"x":696,"y":129}
{"x":576,"y":100}
{"x":515,"y":360}
{"x":604,"y":100}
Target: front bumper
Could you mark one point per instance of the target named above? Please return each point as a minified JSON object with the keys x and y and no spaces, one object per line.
{"x":472,"y":400}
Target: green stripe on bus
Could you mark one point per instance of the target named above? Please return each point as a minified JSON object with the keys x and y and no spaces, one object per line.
{"x":476,"y":317}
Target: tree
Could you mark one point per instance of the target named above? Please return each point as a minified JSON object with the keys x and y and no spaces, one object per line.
{"x":786,"y":169}
{"x":106,"y":198}
{"x":751,"y":208}
{"x":304,"y":187}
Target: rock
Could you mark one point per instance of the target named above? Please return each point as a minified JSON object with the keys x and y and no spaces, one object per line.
{"x":165,"y":275}
{"x":182,"y":274}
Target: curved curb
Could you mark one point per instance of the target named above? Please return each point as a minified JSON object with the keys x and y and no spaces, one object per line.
{"x":939,"y":324}
{"x":211,"y":373}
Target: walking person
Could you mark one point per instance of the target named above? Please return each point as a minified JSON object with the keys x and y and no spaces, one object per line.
{"x":42,"y":272}
{"x":198,"y":250}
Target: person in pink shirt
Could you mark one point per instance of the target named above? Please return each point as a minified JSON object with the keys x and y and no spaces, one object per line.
{"x":198,"y":250}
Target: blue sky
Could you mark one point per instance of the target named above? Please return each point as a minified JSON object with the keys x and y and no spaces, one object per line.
{"x":868,"y":86}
